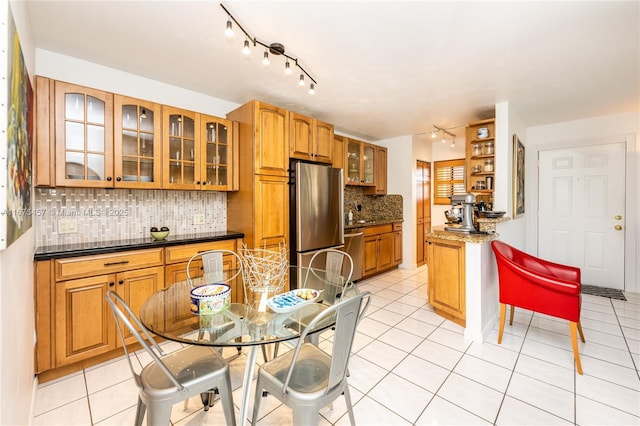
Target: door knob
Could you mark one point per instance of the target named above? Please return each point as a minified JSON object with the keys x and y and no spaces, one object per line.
{"x":618,"y":217}
{"x":618,"y":228}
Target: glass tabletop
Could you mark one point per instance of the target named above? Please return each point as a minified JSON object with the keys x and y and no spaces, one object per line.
{"x":168,"y":314}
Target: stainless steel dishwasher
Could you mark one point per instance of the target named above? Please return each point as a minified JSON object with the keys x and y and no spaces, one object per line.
{"x":354,"y":246}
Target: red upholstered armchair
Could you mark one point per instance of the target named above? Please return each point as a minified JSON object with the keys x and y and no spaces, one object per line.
{"x":540,"y":286}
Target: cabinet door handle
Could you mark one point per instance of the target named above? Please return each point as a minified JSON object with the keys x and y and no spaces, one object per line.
{"x":121,"y":282}
{"x":122,"y":262}
{"x":109,"y":179}
{"x":111,"y":284}
{"x":118,"y":179}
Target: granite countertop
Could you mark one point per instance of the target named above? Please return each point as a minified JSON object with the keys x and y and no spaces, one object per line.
{"x":373,"y":222}
{"x":102,"y":247}
{"x":438,"y":232}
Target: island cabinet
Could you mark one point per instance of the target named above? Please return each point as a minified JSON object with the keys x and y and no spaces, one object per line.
{"x":310,"y":139}
{"x":380,"y":243}
{"x":74,"y":322}
{"x":447,"y":278}
{"x":260,"y":209}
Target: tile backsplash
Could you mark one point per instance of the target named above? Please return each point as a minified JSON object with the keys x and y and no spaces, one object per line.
{"x":113,"y":214}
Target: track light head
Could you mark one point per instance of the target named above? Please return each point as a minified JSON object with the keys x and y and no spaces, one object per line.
{"x":312,"y":89}
{"x":246,"y":50}
{"x":265,"y":60}
{"x":228,"y":32}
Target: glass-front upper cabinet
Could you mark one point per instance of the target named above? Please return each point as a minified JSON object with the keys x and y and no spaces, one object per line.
{"x":84,"y":136}
{"x":217,"y":146}
{"x":137,"y":143}
{"x":361,"y":165}
{"x":181,"y":149}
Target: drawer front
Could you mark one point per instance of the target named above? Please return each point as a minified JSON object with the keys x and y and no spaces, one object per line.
{"x":87,"y":266}
{"x":176,"y":254}
{"x":397,"y":227}
{"x":378,"y":229}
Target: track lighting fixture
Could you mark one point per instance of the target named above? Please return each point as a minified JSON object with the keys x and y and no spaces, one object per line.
{"x":246,"y":50}
{"x":444,"y":132}
{"x":276,"y":49}
{"x":229,"y":30}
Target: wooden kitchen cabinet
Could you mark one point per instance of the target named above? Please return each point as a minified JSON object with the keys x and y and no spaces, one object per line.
{"x":80,"y":326}
{"x":310,"y":139}
{"x":361,"y":163}
{"x":397,"y":243}
{"x":480,"y":159}
{"x":447,"y":280}
{"x":137,"y":143}
{"x":199,"y":151}
{"x":83,"y":136}
{"x":339,"y":155}
{"x":380,"y":178}
{"x":379,"y":245}
{"x":260,"y":209}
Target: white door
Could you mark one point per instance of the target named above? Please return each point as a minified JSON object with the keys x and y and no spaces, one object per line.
{"x":582,"y":216}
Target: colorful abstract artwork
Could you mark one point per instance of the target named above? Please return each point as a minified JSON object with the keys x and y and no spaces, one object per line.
{"x":18,"y":209}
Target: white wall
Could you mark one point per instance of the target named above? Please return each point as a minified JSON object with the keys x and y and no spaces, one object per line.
{"x":399,"y":159}
{"x":77,"y":71}
{"x":17,"y":327}
{"x":586,"y":132}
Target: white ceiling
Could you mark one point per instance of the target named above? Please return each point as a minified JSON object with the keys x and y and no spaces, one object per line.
{"x":385,"y":68}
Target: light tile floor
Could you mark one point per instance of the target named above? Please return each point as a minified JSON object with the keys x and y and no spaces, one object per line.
{"x":412,"y":367}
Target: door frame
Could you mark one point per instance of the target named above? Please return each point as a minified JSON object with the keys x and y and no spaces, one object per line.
{"x":632,"y":199}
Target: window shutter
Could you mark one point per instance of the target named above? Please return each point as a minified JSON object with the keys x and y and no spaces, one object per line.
{"x":449,"y":180}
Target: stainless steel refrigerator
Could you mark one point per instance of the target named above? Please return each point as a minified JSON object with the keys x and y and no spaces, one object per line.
{"x":317,"y":221}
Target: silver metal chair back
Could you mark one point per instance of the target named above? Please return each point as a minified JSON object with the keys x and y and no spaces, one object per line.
{"x":307,"y":378}
{"x":336,"y":262}
{"x":213,"y":266}
{"x":171,"y":378}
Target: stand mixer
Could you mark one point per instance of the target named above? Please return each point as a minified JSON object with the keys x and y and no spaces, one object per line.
{"x":467,"y":201}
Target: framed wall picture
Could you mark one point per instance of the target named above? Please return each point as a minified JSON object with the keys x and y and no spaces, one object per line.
{"x":15,"y":149}
{"x":518,"y":177}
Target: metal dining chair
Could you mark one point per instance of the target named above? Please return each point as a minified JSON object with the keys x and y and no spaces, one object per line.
{"x":307,"y":379}
{"x":171,"y":378}
{"x":337,"y":267}
{"x":213,"y":265}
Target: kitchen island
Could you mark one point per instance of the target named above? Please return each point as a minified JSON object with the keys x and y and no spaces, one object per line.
{"x":463,"y":280}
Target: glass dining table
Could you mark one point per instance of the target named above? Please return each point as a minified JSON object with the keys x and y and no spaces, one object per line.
{"x":247,"y":322}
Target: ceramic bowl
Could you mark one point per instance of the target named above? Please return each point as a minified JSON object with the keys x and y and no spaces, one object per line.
{"x":159,"y":235}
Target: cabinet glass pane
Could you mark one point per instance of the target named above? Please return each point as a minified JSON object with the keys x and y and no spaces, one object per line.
{"x":368,"y":158}
{"x":175,"y":125}
{"x":95,"y":138}
{"x":130,"y":169}
{"x":211,"y":175}
{"x":188,"y":127}
{"x":211,"y":132}
{"x":222,"y":134}
{"x":74,"y":165}
{"x":95,"y":170}
{"x":146,"y":120}
{"x":189,"y":146}
{"x":74,"y":106}
{"x":175,"y":148}
{"x":130,"y":116}
{"x":175,"y":173}
{"x":95,"y":110}
{"x":222,"y":155}
{"x":189,"y":173}
{"x":146,"y":171}
{"x":75,"y":136}
{"x":222,"y":176}
{"x":129,"y":142}
{"x":146,"y":145}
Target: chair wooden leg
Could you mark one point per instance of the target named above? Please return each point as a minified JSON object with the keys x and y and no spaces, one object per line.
{"x":573,"y":327}
{"x":513,"y":311}
{"x":581,"y":333}
{"x":503,"y":312}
